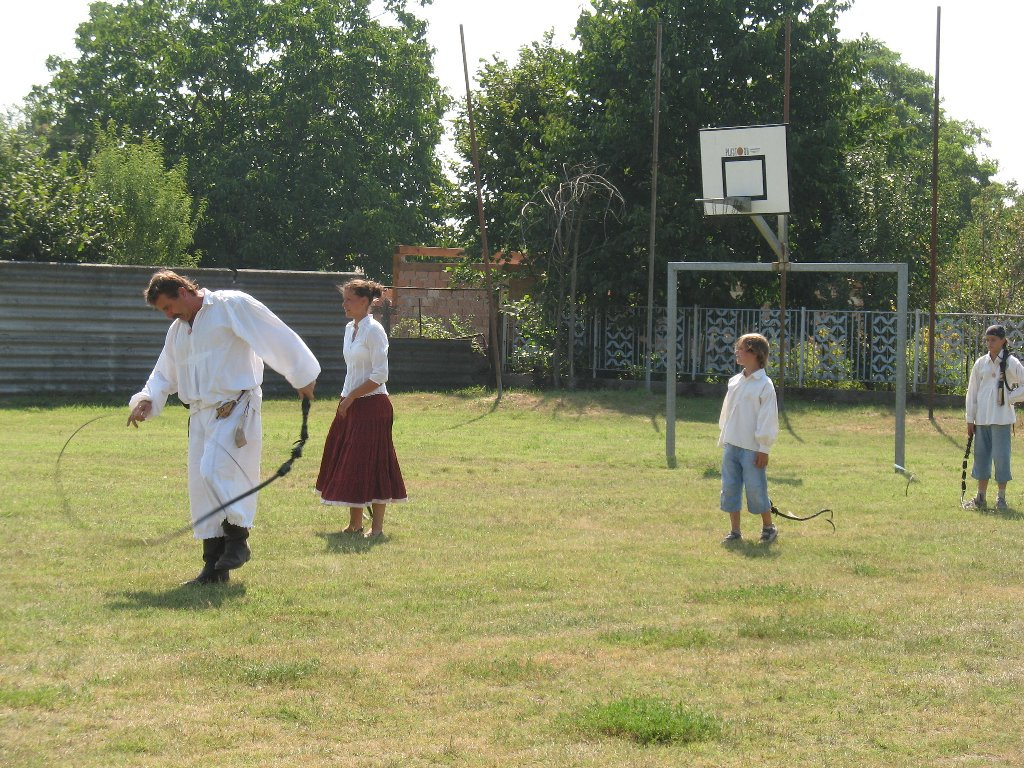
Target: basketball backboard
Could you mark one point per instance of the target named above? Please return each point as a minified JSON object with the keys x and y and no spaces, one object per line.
{"x":741,"y":164}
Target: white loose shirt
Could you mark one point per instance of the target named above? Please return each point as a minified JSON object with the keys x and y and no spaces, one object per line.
{"x":750,"y":412}
{"x":366,"y":356}
{"x":222,"y":353}
{"x":983,"y":388}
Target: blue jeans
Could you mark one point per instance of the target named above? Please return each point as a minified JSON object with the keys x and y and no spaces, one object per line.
{"x":739,"y":474}
{"x":992,"y":444}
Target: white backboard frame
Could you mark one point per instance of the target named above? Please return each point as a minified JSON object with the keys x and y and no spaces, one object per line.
{"x":750,"y":162}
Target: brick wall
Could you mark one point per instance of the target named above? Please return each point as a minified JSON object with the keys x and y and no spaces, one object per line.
{"x":423,"y":287}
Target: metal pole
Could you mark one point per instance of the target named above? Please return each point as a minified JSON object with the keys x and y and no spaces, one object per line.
{"x":670,"y":371}
{"x":654,"y":210}
{"x":784,"y":233}
{"x":492,"y":310}
{"x":935,"y":221}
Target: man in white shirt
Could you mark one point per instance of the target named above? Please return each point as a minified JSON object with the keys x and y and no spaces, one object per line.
{"x":213,"y":358}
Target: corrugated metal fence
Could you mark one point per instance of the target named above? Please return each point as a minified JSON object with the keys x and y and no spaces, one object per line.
{"x":86,"y":329}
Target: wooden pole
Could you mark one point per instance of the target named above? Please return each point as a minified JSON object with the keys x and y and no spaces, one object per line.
{"x":492,"y":310}
{"x":935,"y":221}
{"x":784,"y":232}
{"x":649,"y":346}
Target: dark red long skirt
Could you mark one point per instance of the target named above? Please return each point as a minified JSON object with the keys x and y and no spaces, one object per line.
{"x":360,"y":466}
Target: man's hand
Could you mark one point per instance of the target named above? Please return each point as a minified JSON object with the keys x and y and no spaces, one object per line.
{"x":139,"y":413}
{"x":970,"y":430}
{"x":761,"y":460}
{"x":307,"y":391}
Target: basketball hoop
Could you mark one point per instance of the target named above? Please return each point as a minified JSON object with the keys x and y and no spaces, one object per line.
{"x":724,"y":206}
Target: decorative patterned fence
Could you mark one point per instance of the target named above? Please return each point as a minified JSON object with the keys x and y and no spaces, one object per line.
{"x":823,"y":347}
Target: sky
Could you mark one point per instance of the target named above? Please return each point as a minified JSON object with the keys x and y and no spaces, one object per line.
{"x":978,"y":48}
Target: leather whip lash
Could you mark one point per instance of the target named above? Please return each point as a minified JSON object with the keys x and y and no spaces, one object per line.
{"x":775,"y":511}
{"x":283,"y":470}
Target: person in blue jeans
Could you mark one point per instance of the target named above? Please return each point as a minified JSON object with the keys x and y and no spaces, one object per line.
{"x":992,"y":390}
{"x":749,"y":425}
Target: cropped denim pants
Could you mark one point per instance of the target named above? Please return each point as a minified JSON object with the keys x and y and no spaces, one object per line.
{"x":992,"y":444}
{"x":738,"y":475}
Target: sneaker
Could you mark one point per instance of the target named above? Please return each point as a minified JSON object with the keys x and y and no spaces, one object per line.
{"x":1001,"y":505}
{"x":733,"y":537}
{"x":978,"y":502}
{"x":769,"y":534}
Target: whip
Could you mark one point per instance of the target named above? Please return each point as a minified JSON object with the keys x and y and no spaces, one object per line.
{"x":775,"y":511}
{"x":283,"y":470}
{"x":963,"y":473}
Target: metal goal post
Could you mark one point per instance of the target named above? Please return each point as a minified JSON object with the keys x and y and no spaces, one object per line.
{"x":675,"y":267}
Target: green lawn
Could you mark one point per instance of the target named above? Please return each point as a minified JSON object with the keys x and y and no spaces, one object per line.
{"x":553,"y":595}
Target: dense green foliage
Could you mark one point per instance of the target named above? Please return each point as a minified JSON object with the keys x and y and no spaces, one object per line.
{"x":859,"y":145}
{"x":121,"y":207}
{"x":986,"y":270}
{"x":305,"y":134}
{"x":152,"y":221}
{"x":45,"y":214}
{"x":309,"y":126}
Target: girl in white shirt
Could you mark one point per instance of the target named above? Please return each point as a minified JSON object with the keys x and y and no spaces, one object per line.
{"x":992,"y":390}
{"x":359,"y":466}
{"x":750,"y":423}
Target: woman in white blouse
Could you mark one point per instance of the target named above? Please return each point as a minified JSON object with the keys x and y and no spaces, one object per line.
{"x":994,"y":386}
{"x":359,"y":466}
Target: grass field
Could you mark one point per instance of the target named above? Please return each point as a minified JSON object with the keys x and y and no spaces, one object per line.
{"x":553,"y":595}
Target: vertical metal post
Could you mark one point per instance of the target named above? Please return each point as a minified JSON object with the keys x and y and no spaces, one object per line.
{"x":670,"y":372}
{"x":917,"y":348}
{"x":901,"y":365}
{"x":649,"y":351}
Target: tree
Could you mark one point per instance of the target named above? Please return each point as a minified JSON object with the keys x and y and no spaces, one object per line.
{"x":886,"y":211}
{"x":722,"y":65}
{"x":152,"y":219}
{"x":307,"y":125}
{"x":570,"y":215}
{"x":986,"y":269}
{"x":46,"y":213}
{"x":525,"y":136}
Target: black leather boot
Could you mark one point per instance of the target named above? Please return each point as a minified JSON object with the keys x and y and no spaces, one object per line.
{"x":212,"y":550}
{"x":236,"y":550}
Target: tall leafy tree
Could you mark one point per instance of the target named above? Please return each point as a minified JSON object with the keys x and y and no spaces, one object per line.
{"x":985,"y":271}
{"x":886,"y":211}
{"x":153,"y":219}
{"x":46,"y":213}
{"x":722,"y":65}
{"x":309,"y":126}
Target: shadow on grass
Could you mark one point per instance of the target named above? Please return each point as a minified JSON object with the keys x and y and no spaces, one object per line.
{"x":784,"y":418}
{"x":185,"y":597}
{"x":1005,"y":514}
{"x":351,"y":543}
{"x":752,"y":549}
{"x":776,"y":479}
{"x":938,"y":428}
{"x":488,"y":412}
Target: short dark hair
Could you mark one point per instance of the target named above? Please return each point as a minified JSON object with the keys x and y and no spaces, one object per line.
{"x":169,"y":284}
